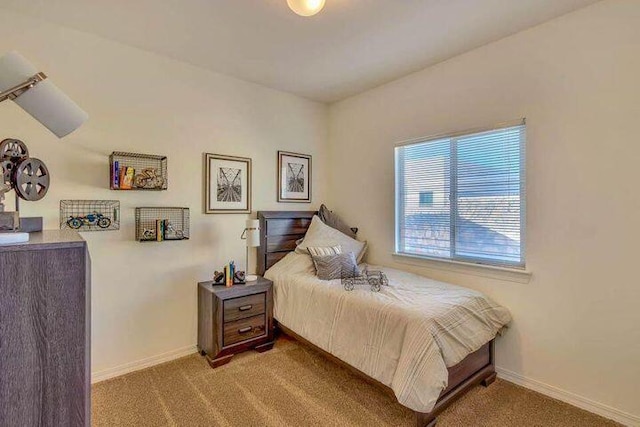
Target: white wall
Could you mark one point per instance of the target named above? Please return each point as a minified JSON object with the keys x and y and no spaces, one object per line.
{"x":144,"y":295}
{"x":577,"y":81}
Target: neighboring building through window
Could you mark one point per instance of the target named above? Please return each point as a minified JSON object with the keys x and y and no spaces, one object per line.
{"x":461,"y":197}
{"x":426,"y":198}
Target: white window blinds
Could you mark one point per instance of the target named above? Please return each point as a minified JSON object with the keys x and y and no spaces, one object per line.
{"x":461,"y":197}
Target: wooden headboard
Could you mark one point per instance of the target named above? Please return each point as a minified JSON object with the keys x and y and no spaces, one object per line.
{"x":279,"y":231}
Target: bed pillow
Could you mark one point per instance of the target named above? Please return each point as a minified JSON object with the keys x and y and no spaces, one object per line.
{"x":321,"y":235}
{"x":324,"y":250}
{"x":330,"y":267}
{"x":334,"y":221}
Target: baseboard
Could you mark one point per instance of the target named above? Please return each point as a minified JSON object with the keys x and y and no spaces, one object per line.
{"x":141,"y":364}
{"x":570,"y":398}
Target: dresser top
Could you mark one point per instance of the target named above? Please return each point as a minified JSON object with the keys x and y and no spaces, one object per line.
{"x":47,"y":239}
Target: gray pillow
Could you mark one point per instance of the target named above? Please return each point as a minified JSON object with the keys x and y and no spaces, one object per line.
{"x":334,"y":221}
{"x":338,"y":266}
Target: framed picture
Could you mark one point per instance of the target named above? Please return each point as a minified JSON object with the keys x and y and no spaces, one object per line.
{"x":294,"y":177}
{"x":227,"y":184}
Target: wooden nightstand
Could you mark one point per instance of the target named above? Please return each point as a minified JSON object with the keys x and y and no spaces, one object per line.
{"x":235,"y":319}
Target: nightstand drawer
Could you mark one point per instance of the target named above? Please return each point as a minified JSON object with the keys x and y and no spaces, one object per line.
{"x":244,"y":307}
{"x":244,"y":329}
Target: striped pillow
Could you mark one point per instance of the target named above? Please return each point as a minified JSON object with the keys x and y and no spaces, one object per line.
{"x":330,"y":267}
{"x":324,"y":251}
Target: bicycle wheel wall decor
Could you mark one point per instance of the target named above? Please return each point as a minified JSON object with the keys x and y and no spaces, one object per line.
{"x":90,"y":215}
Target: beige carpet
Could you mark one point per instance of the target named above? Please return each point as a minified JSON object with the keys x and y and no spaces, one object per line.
{"x":292,"y":385}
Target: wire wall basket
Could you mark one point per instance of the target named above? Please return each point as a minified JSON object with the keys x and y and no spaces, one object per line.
{"x":90,"y":215}
{"x":132,"y":171}
{"x":159,"y":224}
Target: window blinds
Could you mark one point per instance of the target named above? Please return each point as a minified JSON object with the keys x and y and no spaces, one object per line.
{"x":474,"y":185}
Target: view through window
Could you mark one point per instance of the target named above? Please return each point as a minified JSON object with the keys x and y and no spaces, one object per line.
{"x":461,"y":197}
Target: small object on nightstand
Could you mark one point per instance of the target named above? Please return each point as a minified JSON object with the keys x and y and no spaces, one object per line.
{"x":218,"y":278}
{"x":229,"y":276}
{"x":239,"y":278}
{"x":234,"y":319}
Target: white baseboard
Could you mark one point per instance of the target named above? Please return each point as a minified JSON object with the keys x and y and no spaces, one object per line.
{"x":570,"y":398}
{"x":141,"y":364}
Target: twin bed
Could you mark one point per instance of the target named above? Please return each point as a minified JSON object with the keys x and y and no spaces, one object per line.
{"x":427,"y":342}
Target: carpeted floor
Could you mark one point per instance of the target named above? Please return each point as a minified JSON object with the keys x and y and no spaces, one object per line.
{"x":292,"y":385}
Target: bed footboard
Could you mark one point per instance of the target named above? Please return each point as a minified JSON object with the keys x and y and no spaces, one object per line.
{"x":476,"y":368}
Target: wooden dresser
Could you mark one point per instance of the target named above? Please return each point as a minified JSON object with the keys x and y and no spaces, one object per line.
{"x":45,"y":331}
{"x":234,"y":319}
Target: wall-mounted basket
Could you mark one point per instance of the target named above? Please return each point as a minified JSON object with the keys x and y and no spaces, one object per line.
{"x":159,"y":224}
{"x":132,"y":171}
{"x":90,"y":215}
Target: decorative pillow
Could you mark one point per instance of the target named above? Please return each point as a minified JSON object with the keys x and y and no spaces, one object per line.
{"x":321,"y":235}
{"x":334,"y":221}
{"x":338,"y":266}
{"x":324,"y":251}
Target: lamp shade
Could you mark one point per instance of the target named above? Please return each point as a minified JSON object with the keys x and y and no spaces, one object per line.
{"x":44,"y":101}
{"x":253,"y":233}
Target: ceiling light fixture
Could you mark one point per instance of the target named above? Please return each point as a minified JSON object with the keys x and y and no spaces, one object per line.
{"x":306,"y":7}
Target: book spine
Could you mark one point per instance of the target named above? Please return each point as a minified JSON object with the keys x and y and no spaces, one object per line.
{"x":158,"y":230}
{"x":127,"y":178}
{"x":115,"y":175}
{"x":122,"y":171}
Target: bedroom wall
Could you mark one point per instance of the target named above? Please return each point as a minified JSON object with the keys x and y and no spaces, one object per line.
{"x":575,"y":333}
{"x":144,"y":295}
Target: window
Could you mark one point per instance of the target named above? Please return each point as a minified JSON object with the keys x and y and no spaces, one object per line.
{"x":461,"y":197}
{"x":426,"y":198}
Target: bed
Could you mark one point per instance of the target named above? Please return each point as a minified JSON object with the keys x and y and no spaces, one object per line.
{"x":424,"y":341}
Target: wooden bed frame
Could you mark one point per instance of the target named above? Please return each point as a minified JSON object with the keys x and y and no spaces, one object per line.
{"x":279,"y":231}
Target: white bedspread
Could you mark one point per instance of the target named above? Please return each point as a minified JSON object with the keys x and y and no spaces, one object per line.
{"x":404,"y":336}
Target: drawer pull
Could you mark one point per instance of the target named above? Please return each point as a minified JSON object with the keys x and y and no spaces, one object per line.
{"x":245,"y":330}
{"x":245,"y":307}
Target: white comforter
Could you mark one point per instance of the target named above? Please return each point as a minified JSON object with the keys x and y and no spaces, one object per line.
{"x":404,"y":336}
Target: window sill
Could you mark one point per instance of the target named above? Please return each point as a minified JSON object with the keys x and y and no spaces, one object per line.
{"x":493,"y":272}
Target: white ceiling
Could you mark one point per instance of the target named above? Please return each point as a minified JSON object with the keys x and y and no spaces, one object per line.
{"x":349,"y":47}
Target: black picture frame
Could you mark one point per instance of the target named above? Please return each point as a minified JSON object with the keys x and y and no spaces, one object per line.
{"x":294,"y":177}
{"x":229,"y":197}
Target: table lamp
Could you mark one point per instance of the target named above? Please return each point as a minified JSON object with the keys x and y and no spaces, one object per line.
{"x":22,"y":83}
{"x":251,"y":236}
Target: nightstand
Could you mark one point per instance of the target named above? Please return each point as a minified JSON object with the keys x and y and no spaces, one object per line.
{"x":234,"y":319}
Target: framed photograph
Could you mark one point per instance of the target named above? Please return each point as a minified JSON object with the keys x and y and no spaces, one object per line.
{"x":227,"y":184}
{"x":294,"y":177}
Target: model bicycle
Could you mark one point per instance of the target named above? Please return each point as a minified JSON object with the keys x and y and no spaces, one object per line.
{"x":94,"y":218}
{"x":148,"y":178}
{"x":170,"y":233}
